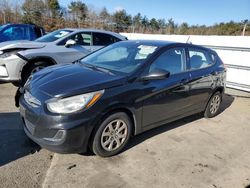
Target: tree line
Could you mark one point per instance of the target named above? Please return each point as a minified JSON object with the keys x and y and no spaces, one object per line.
{"x":51,"y":15}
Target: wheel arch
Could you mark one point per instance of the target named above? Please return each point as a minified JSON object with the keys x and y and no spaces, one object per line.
{"x":218,"y":89}
{"x":110,"y":111}
{"x":47,"y":59}
{"x":126,"y":111}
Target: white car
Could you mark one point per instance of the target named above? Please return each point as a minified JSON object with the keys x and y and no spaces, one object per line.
{"x":19,"y":59}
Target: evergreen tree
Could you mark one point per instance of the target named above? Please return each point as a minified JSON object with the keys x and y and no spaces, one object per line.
{"x":33,"y":11}
{"x":54,"y":8}
{"x":122,"y":20}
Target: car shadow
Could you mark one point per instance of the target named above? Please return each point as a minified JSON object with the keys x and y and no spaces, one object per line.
{"x":138,"y":139}
{"x":14,"y":144}
{"x":226,"y":103}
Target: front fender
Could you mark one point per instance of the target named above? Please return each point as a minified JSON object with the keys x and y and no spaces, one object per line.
{"x":135,"y":114}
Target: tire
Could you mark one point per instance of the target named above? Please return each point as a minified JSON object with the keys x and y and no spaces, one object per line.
{"x":213,"y":106}
{"x":32,"y":68}
{"x":16,"y":84}
{"x":108,"y":140}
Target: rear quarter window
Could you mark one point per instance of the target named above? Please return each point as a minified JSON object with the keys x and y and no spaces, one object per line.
{"x":213,"y":57}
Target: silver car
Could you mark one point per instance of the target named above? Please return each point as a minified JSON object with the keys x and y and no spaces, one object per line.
{"x":19,"y":59}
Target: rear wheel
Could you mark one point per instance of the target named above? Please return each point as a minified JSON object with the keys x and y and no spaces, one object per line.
{"x":213,"y":105}
{"x":112,"y":135}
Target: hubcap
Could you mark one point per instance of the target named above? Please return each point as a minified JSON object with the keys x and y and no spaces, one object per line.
{"x":36,"y":69}
{"x":114,"y":135}
{"x":215,"y":104}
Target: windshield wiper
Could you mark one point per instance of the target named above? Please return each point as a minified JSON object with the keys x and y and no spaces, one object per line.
{"x":96,"y":68}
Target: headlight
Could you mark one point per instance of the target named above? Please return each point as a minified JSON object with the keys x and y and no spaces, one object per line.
{"x":75,"y":103}
{"x":8,"y":54}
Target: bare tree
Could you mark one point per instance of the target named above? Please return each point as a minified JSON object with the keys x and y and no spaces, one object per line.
{"x":6,"y":12}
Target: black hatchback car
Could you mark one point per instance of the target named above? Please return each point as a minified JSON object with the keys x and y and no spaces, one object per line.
{"x":119,"y":91}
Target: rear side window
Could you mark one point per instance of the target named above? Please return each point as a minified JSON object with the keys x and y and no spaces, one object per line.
{"x":173,"y":60}
{"x":102,"y":39}
{"x":199,"y":59}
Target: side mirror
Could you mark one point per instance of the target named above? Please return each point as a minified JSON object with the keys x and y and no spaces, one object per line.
{"x":69,"y":43}
{"x":156,"y":74}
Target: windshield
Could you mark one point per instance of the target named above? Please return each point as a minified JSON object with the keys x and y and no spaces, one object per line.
{"x":2,"y":27}
{"x":122,"y":57}
{"x":51,"y":37}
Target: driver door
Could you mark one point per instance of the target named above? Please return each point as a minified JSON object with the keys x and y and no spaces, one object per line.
{"x":168,"y":98}
{"x":75,"y":52}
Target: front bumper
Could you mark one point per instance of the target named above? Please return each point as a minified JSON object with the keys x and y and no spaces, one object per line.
{"x":10,"y":68}
{"x":61,"y":134}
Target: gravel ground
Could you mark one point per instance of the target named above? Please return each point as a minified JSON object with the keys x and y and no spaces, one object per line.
{"x":192,"y":152}
{"x":22,"y":162}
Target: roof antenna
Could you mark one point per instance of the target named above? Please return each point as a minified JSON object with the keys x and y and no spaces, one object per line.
{"x":189,"y":42}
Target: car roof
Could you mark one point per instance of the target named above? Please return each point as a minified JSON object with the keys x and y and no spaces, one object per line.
{"x":163,"y":43}
{"x":95,"y":30}
{"x":8,"y":24}
{"x":160,"y":43}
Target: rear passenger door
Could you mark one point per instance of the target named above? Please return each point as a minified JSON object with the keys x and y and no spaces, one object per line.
{"x":102,"y":39}
{"x":200,"y":65}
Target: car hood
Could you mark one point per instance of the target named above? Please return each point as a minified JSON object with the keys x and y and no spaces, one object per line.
{"x":72,"y":79}
{"x":21,"y":45}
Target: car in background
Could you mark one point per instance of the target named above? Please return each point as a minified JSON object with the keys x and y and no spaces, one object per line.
{"x":11,"y":32}
{"x":18,"y":60}
{"x":119,"y":91}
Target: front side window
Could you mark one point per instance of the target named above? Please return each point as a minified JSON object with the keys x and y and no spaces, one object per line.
{"x":102,"y":39}
{"x":82,"y":39}
{"x":2,"y":27}
{"x":199,"y":59}
{"x":120,"y":57}
{"x":173,"y":60}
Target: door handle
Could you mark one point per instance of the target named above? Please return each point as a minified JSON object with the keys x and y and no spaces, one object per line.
{"x":182,"y":86}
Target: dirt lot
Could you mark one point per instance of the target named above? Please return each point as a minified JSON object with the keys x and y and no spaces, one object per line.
{"x":21,"y":165}
{"x":192,"y":152}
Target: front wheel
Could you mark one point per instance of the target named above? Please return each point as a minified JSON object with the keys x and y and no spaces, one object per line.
{"x":31,"y":69}
{"x":112,"y":135}
{"x":213,"y":105}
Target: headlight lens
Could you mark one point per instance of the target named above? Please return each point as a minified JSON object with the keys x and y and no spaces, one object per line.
{"x":75,"y":103}
{"x":8,"y":54}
